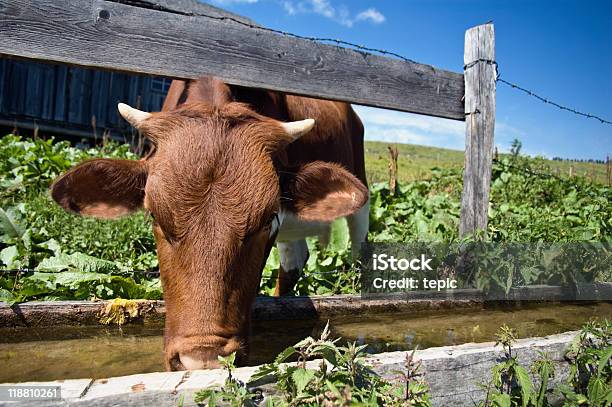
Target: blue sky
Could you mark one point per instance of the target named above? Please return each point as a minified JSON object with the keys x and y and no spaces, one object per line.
{"x":559,"y":49}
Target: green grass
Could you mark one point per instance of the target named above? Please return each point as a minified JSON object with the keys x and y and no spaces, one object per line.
{"x":78,"y":257}
{"x":415,"y":163}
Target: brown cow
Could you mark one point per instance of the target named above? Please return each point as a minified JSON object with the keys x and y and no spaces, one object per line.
{"x":230,"y":169}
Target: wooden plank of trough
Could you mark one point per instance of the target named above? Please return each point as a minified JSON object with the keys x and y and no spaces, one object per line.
{"x":62,"y":313}
{"x":325,"y":306}
{"x":135,"y":36}
{"x":453,"y":373}
{"x":58,"y":313}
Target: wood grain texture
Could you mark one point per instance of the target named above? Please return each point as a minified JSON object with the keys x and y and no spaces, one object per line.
{"x":115,"y":36}
{"x":72,"y":313}
{"x":455,"y":375}
{"x":64,"y":99}
{"x":479,"y":128}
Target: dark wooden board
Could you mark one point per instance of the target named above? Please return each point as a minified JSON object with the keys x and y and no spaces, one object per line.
{"x":116,"y":36}
{"x":67,"y":313}
{"x":64,"y":99}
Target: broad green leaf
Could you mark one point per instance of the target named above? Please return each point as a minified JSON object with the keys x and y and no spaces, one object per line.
{"x":55,"y":264}
{"x":9,"y":255}
{"x":501,"y":400}
{"x":7,"y":296}
{"x":10,"y":228}
{"x":263,"y":372}
{"x":525,"y":384}
{"x":301,"y":377}
{"x":339,"y":235}
{"x":51,"y":245}
{"x":327,"y":261}
{"x":597,"y":390}
{"x":78,"y":262}
{"x":285,"y":354}
{"x":603,"y":362}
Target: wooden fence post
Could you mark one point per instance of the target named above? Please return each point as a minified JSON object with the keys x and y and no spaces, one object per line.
{"x":480,"y":76}
{"x":393,"y":154}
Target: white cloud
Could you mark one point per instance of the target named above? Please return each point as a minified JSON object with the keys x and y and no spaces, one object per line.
{"x":323,"y":7}
{"x":371,"y":14}
{"x":398,"y":127}
{"x":340,"y":14}
{"x":289,"y":8}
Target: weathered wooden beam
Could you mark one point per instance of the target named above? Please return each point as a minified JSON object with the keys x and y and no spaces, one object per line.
{"x":480,"y":76}
{"x":456,"y":374}
{"x":139,"y":37}
{"x":73,"y":313}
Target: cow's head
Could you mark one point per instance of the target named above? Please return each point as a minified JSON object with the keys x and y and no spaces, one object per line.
{"x":215,"y":186}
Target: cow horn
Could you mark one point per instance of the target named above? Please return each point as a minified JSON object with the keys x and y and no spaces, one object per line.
{"x":297,"y":129}
{"x":134,"y":116}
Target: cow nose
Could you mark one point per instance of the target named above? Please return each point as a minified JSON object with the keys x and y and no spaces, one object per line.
{"x":193,"y":356}
{"x":193,"y":361}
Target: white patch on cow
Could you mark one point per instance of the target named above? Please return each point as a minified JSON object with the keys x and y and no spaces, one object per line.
{"x":293,"y":255}
{"x":292,"y":248}
{"x":294,"y":229}
{"x":276,"y":223}
{"x":359,"y":224}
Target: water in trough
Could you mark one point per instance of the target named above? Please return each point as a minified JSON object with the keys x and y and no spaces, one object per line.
{"x":40,"y":354}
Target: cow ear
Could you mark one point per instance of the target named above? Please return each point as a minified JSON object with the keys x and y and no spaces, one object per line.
{"x":103,"y":188}
{"x":322,"y":192}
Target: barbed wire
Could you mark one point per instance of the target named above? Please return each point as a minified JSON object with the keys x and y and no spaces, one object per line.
{"x":550,"y":102}
{"x":378,"y":51}
{"x":26,"y":271}
{"x":151,"y":273}
{"x":281,"y":32}
{"x":543,"y":99}
{"x":338,"y":42}
{"x":374,"y":50}
{"x":538,"y":174}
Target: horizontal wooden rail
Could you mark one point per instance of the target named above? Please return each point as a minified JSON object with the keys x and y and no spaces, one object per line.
{"x":138,"y":37}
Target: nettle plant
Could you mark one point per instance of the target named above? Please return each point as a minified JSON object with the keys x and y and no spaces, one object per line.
{"x":589,"y":382}
{"x":590,"y":378}
{"x":511,"y":384}
{"x":340,"y":378}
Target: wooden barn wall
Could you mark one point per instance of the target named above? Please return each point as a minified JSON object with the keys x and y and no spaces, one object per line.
{"x":63,"y":97}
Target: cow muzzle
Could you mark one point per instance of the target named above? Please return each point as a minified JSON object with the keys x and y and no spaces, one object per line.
{"x":184,"y":355}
